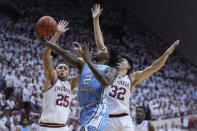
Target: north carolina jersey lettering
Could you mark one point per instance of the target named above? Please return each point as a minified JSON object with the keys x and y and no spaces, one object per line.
{"x":141,"y":127}
{"x":117,"y":95}
{"x":56,"y":100}
{"x":90,"y":89}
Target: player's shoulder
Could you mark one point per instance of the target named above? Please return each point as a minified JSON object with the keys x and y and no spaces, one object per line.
{"x":48,"y":85}
{"x":133,"y":75}
{"x":111,"y":69}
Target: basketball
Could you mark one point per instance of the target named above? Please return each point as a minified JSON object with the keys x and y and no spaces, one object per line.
{"x":46,"y":26}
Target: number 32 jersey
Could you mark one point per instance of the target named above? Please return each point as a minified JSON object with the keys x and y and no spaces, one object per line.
{"x":56,"y":100}
{"x":117,"y":96}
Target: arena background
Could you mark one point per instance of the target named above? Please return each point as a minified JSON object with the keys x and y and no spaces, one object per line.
{"x":143,"y":29}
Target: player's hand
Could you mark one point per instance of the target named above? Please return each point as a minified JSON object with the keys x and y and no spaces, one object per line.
{"x":77,"y":49}
{"x":172,"y":47}
{"x":96,"y":11}
{"x":40,"y":38}
{"x":62,"y":27}
{"x":86,"y":53}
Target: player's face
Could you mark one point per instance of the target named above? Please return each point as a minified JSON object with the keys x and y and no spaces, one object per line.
{"x":102,"y":55}
{"x":62,"y":71}
{"x":123,"y":64}
{"x":140,"y":114}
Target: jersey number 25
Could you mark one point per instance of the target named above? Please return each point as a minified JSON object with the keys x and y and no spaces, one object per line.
{"x":62,"y":100}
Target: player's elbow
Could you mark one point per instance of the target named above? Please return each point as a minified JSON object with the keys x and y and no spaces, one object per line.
{"x":108,"y":82}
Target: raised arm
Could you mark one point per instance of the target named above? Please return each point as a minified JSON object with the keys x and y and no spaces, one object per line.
{"x":49,"y":70}
{"x":69,"y":57}
{"x":105,"y":79}
{"x":139,"y":76}
{"x":96,"y":12}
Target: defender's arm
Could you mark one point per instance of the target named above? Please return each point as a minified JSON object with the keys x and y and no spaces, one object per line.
{"x":139,"y":76}
{"x":49,"y":70}
{"x":96,"y":12}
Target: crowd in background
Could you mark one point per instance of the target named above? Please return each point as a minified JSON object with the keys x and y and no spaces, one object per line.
{"x":168,"y":93}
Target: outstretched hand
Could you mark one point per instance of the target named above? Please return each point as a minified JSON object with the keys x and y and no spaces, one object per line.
{"x":96,"y":11}
{"x":62,"y":26}
{"x":77,"y":49}
{"x":86,"y":53}
{"x":172,"y":47}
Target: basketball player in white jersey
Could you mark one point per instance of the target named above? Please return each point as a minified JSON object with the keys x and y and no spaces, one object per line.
{"x":140,"y":124}
{"x":57,"y":90}
{"x":117,"y":96}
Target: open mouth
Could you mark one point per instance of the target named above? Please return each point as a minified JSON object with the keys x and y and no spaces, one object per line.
{"x":62,"y":73}
{"x":118,"y":64}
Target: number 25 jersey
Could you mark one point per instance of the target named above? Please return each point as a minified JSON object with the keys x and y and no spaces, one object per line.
{"x":56,"y":100}
{"x":117,"y":95}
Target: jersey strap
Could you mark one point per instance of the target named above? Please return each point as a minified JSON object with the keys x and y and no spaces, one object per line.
{"x":44,"y":90}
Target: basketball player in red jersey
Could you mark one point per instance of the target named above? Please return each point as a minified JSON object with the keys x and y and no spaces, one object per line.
{"x":57,"y":89}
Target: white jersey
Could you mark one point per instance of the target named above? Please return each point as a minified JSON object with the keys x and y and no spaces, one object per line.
{"x":56,"y":100}
{"x":117,"y":96}
{"x":140,"y":127}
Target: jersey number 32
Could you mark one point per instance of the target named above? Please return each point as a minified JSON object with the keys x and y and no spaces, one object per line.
{"x":118,"y":92}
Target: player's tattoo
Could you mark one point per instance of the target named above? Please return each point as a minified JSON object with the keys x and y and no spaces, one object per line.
{"x":67,"y":55}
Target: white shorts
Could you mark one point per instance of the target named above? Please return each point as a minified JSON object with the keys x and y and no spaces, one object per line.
{"x":41,"y":128}
{"x":119,"y":124}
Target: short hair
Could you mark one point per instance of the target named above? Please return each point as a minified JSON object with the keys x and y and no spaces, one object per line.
{"x":146,"y":111}
{"x":130,"y":61}
{"x":142,"y":107}
{"x":62,"y":64}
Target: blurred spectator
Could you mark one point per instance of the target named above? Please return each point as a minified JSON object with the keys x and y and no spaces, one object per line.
{"x":24,"y":126}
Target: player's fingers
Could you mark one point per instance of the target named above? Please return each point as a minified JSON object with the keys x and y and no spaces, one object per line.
{"x":177,"y":42}
{"x":85,"y":46}
{"x":66,"y":29}
{"x":92,"y":10}
{"x":88,"y":46}
{"x":94,"y":6}
{"x":101,"y":10}
{"x":65,"y":24}
{"x":99,"y":6}
{"x":59,"y":22}
{"x":63,"y":21}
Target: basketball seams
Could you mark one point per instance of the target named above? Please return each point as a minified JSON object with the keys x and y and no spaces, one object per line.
{"x":46,"y":26}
